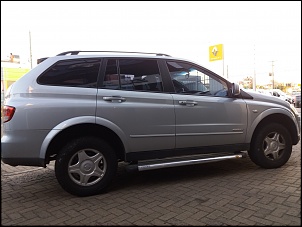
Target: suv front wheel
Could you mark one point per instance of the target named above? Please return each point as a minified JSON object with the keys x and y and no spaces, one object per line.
{"x":85,"y":166}
{"x":271,"y":147}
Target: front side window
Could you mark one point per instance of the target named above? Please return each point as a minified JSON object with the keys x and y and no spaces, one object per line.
{"x":72,"y":73}
{"x":187,"y":79}
{"x":132,"y":74}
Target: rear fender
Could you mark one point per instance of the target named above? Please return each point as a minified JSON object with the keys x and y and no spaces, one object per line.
{"x":77,"y":121}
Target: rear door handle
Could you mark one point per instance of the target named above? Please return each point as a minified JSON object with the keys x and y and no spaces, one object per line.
{"x":187,"y":102}
{"x":114,"y":98}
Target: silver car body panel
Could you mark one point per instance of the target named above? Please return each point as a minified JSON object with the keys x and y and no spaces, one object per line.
{"x":210,"y":121}
{"x":262,"y":106}
{"x":22,"y":144}
{"x":33,"y":125}
{"x":146,"y":118}
{"x":63,"y":125}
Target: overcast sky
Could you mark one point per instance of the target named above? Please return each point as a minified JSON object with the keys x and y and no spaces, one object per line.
{"x":253,"y":33}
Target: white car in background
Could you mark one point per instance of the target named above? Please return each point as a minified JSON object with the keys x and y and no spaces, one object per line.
{"x":296,"y":96}
{"x":264,"y":91}
{"x":282,"y":95}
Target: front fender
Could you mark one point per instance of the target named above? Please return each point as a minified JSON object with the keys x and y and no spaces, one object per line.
{"x":266,"y":113}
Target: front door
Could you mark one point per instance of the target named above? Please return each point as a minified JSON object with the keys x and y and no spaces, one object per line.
{"x":205,"y":115}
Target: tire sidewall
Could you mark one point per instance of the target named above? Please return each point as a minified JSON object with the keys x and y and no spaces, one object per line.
{"x":62,"y":162}
{"x":256,"y":152}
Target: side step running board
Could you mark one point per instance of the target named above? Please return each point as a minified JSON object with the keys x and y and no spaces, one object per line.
{"x":158,"y":164}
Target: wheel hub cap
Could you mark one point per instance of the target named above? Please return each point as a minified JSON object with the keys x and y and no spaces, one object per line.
{"x":274,"y":145}
{"x":87,"y":166}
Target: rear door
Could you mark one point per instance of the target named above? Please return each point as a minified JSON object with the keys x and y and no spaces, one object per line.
{"x":131,"y":98}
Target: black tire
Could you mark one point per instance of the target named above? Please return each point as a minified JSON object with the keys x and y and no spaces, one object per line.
{"x":271,"y":147}
{"x":85,"y":166}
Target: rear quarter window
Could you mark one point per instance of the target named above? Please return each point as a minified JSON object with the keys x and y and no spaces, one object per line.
{"x":72,"y":73}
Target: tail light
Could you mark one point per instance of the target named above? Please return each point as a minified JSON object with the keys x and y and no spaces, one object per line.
{"x":8,"y":113}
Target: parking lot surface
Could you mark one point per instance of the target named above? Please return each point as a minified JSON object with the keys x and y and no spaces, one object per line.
{"x":231,"y":192}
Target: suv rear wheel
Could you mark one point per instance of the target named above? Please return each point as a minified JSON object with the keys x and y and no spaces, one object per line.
{"x":85,"y":166}
{"x":271,"y":147}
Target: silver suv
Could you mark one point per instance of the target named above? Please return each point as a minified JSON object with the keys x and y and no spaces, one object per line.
{"x":90,"y":110}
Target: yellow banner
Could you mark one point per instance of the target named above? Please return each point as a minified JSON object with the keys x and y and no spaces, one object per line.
{"x":13,"y":74}
{"x":216,"y":52}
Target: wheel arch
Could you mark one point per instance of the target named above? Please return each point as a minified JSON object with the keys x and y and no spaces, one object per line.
{"x":80,"y":130}
{"x":281,"y":119}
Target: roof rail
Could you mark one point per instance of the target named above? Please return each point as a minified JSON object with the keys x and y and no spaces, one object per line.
{"x":76,"y":52}
{"x":39,"y":60}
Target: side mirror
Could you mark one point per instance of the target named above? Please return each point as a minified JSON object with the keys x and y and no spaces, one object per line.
{"x":235,"y":89}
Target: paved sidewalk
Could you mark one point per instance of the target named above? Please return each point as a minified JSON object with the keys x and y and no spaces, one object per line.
{"x":231,"y":192}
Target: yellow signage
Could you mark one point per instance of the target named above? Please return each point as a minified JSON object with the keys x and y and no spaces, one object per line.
{"x":216,"y":52}
{"x":10,"y":75}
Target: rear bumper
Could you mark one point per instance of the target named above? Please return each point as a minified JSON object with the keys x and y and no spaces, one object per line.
{"x":23,"y":147}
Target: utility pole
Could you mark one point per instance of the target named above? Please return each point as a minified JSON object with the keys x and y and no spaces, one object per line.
{"x":254,"y":79}
{"x":227,"y":71}
{"x":30,"y":52}
{"x":223,"y":61}
{"x":272,"y":74}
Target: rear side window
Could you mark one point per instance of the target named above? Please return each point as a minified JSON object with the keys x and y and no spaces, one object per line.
{"x":72,"y":73}
{"x":132,"y":74}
